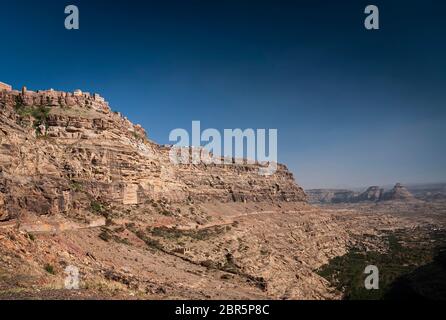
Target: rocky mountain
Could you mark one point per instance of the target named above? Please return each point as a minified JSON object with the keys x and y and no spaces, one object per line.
{"x":54,"y":144}
{"x":371,"y":194}
{"x":330,"y":195}
{"x":399,"y":192}
{"x":428,"y":192}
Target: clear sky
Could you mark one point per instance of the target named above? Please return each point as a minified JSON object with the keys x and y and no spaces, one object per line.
{"x":353,"y":107}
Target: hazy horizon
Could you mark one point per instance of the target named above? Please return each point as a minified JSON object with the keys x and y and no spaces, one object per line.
{"x":385,"y":186}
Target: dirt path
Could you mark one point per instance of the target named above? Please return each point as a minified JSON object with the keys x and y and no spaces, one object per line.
{"x":47,"y":227}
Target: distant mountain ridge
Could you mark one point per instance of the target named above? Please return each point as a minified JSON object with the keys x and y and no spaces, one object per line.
{"x":399,"y":192}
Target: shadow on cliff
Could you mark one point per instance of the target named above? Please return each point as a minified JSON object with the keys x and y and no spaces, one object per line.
{"x":427,"y":282}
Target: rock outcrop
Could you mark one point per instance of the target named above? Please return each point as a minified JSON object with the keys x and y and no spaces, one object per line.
{"x":373,"y":193}
{"x":399,"y":192}
{"x":61,"y":152}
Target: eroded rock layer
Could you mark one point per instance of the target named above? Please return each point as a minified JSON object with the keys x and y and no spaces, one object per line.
{"x":64,"y":152}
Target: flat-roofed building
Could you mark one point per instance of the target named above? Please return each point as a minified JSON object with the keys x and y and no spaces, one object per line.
{"x":4,"y":86}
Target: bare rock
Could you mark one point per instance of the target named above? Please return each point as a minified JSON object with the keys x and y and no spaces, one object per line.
{"x":399,"y":192}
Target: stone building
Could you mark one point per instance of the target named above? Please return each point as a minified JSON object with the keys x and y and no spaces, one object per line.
{"x":98,"y":98}
{"x":4,"y":86}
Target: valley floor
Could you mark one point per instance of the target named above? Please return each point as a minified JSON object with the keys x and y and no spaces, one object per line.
{"x":210,"y":251}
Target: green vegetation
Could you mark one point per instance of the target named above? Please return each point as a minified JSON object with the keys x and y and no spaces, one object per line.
{"x":230,"y":265}
{"x":425,"y":283}
{"x":167,"y":213}
{"x":39,"y":113}
{"x":152,"y":243}
{"x":139,"y":137}
{"x":97,"y":207}
{"x":162,"y":208}
{"x":105,"y":235}
{"x":77,"y":111}
{"x":50,"y":269}
{"x":406,"y":251}
{"x":113,"y":234}
{"x":174,"y":233}
{"x":76,"y":186}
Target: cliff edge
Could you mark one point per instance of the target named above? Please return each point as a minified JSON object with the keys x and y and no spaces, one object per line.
{"x":63,"y":152}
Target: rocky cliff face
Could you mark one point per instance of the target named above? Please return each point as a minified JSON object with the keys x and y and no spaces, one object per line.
{"x":373,"y":193}
{"x":64,"y":152}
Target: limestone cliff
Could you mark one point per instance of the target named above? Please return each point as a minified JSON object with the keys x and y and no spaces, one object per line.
{"x":399,"y":192}
{"x":60,"y":152}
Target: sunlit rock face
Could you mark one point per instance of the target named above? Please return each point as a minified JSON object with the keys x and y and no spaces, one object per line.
{"x":54,"y":144}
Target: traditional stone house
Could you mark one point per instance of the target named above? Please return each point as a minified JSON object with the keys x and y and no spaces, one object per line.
{"x":4,"y":86}
{"x":98,"y":98}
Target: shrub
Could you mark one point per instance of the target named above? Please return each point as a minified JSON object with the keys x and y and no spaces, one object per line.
{"x":138,"y":137}
{"x":152,"y":243}
{"x":104,"y":235}
{"x":39,"y":113}
{"x":174,"y":233}
{"x":76,"y":186}
{"x":96,"y":206}
{"x":50,"y":269}
{"x":167,"y":213}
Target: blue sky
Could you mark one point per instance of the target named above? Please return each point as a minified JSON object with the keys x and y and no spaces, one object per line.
{"x":353,"y":107}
